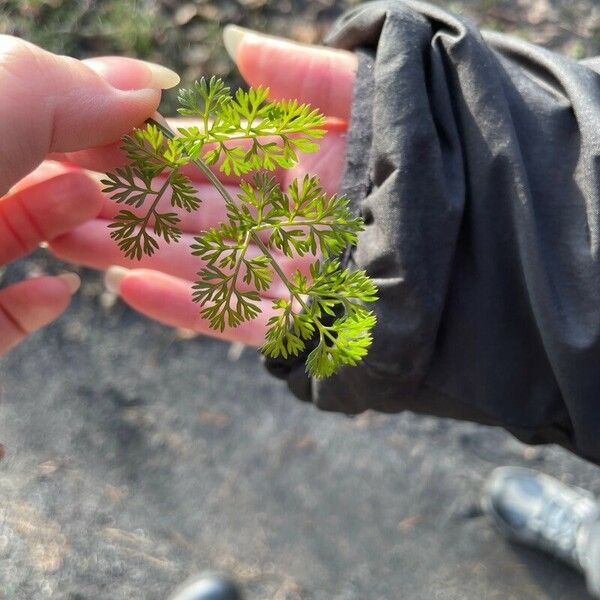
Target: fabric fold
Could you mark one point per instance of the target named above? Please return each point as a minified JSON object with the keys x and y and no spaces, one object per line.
{"x":475,"y":161}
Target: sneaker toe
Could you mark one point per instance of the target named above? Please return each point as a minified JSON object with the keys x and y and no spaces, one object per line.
{"x":208,"y":587}
{"x":510,"y":496}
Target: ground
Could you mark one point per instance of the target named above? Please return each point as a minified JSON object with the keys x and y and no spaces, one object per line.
{"x":134,"y":457}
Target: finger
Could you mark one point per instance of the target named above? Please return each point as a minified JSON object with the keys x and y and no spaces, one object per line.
{"x":211,"y":213}
{"x":327,"y":163}
{"x":212,"y":210}
{"x":53,"y":103}
{"x":41,"y":209}
{"x":168,"y":300}
{"x":29,"y":305}
{"x":320,"y":76}
{"x":106,"y":158}
{"x":101,"y":159}
{"x":109,"y":157}
{"x":91,"y":246}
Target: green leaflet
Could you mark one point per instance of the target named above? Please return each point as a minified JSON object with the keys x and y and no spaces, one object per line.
{"x":324,"y":313}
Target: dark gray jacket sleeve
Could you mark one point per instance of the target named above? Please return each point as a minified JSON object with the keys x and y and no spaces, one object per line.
{"x":475,"y":161}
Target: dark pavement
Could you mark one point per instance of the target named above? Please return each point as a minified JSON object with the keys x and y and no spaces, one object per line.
{"x":135,"y":458}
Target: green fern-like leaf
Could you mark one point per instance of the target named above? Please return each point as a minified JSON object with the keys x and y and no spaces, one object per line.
{"x":275,"y":131}
{"x":325,"y":314}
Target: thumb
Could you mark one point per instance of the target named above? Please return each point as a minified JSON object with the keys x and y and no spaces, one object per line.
{"x":322,"y":77}
{"x":53,"y":103}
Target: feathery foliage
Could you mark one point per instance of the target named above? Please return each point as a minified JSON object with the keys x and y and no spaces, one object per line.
{"x":246,"y":133}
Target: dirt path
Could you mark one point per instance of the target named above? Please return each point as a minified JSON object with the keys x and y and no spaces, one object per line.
{"x":130,"y":464}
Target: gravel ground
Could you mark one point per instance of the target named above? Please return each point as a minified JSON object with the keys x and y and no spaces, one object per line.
{"x":134,"y":457}
{"x":130,"y":465}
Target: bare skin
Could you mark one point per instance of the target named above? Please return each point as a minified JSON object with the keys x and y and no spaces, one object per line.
{"x":55,"y":104}
{"x":160,"y":286}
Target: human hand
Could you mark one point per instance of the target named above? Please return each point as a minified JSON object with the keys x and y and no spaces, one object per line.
{"x":160,"y":286}
{"x":52,"y":104}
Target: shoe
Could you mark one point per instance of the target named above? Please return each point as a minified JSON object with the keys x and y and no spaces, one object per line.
{"x":207,"y":587}
{"x":539,"y":511}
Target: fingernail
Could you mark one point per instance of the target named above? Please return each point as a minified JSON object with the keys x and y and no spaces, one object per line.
{"x":72,"y":280}
{"x":233,"y":36}
{"x":161,"y":120}
{"x":113,"y":277}
{"x":131,"y":74}
{"x":162,"y":77}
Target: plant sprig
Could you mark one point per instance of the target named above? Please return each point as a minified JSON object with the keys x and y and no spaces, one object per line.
{"x":246,"y":133}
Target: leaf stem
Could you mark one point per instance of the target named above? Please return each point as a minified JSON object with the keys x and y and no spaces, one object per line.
{"x":278,"y":270}
{"x":144,"y":223}
{"x":227,"y":197}
{"x":159,"y":195}
{"x":236,"y":272}
{"x":200,"y":164}
{"x":290,"y":286}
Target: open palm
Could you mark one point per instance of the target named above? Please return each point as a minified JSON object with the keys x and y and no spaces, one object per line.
{"x":160,"y":286}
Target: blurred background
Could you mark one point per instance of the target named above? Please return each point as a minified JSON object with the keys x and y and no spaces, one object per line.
{"x":134,"y":456}
{"x":186,"y":35}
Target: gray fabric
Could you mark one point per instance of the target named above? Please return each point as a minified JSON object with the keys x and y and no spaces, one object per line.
{"x":475,"y":161}
{"x":591,"y":562}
